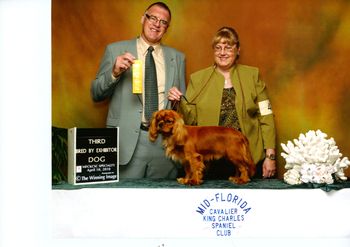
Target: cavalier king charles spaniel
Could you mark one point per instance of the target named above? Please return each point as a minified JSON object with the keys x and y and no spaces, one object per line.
{"x":193,"y":146}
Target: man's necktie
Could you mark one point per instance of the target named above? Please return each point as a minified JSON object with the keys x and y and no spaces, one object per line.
{"x":151,"y":86}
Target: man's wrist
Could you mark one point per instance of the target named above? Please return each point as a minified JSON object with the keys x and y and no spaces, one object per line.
{"x":114,"y":77}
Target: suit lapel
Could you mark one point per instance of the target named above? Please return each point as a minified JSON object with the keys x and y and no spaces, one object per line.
{"x":132,"y":48}
{"x":169,"y":61}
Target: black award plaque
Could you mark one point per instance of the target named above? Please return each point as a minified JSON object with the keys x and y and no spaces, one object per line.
{"x":93,"y":155}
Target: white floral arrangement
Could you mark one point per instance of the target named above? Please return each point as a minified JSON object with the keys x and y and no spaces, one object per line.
{"x":313,"y":159}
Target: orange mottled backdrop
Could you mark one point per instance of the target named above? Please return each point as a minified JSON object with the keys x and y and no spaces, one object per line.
{"x":301,"y":47}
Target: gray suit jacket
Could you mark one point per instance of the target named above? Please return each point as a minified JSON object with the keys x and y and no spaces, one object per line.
{"x":125,"y":108}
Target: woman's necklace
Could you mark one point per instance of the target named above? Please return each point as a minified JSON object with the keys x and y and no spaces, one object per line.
{"x":226,"y":74}
{"x":228,"y":83}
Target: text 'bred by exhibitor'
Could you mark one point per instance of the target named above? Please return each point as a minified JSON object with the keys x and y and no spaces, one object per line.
{"x":224,"y":212}
{"x":96,"y":163}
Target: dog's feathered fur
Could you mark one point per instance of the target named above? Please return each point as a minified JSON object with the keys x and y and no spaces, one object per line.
{"x":193,"y":145}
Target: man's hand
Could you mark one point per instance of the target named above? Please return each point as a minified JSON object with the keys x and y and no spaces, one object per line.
{"x":174,"y":94}
{"x":122,"y":63}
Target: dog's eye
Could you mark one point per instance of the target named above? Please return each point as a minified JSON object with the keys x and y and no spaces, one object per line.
{"x":169,"y":121}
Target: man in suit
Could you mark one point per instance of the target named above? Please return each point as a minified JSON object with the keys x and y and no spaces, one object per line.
{"x":138,"y":156}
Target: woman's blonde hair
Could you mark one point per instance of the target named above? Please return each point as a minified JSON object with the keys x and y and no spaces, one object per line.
{"x":226,"y":35}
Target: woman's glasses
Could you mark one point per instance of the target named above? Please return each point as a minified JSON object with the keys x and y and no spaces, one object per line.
{"x":225,"y":49}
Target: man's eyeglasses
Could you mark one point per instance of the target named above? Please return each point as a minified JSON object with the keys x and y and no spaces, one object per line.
{"x":154,"y":19}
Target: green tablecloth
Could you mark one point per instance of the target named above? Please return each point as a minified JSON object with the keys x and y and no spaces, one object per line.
{"x":274,"y":184}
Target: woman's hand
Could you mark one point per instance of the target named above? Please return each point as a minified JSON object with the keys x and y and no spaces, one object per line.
{"x":269,"y":165}
{"x":269,"y":168}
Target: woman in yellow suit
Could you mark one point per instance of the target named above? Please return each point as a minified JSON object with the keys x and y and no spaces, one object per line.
{"x":232,"y":95}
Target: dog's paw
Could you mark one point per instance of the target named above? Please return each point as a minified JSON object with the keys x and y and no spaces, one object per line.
{"x":182,"y":180}
{"x":239,"y":180}
{"x":187,"y":181}
{"x":195,"y":182}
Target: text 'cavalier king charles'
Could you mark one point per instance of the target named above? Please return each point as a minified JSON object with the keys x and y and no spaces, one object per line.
{"x":192,"y":146}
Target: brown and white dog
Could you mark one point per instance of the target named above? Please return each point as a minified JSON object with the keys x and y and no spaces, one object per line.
{"x":192,"y":146}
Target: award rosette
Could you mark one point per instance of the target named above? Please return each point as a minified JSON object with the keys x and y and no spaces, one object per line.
{"x":137,"y":77}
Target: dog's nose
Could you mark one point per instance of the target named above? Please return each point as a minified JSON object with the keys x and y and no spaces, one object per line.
{"x":160,"y":124}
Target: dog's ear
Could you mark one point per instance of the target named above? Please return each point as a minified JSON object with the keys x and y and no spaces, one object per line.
{"x":152,"y":132}
{"x":179,"y":131}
